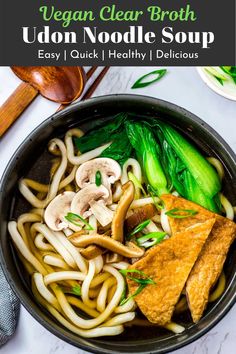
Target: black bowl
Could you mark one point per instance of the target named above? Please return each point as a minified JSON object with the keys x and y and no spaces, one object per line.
{"x":86,"y":115}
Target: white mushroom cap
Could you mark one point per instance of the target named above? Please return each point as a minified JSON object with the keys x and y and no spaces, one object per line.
{"x":81,"y":202}
{"x":56,"y":211}
{"x":110,"y":171}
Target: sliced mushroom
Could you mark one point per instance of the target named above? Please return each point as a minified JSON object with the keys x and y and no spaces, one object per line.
{"x":113,"y":258}
{"x":140,"y":214}
{"x":92,"y":200}
{"x":116,"y":192}
{"x":109,"y":169}
{"x":130,"y":250}
{"x":91,"y":252}
{"x":56,"y":211}
{"x":103,"y":214}
{"x":126,"y":199}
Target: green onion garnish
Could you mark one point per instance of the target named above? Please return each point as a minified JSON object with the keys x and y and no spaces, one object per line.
{"x":230,"y":70}
{"x":139,"y":228}
{"x":75,"y":219}
{"x":220,"y":81}
{"x":180,"y":213}
{"x":98,"y":178}
{"x":220,"y":76}
{"x":151,"y":239}
{"x":214,"y":72}
{"x":123,"y":296}
{"x":138,"y":291}
{"x":76,"y":290}
{"x":143,"y":282}
{"x":158,"y":74}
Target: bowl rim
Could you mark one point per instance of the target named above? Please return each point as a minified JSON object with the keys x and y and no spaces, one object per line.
{"x":59,"y":115}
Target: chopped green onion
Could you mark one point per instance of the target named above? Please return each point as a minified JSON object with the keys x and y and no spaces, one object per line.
{"x":220,"y":81}
{"x":181,"y":213}
{"x":146,"y":281}
{"x":143,"y":282}
{"x":74,"y":218}
{"x":229,"y":70}
{"x":225,"y":68}
{"x":76,"y":290}
{"x":142,"y":83}
{"x":151,"y":239}
{"x":214,"y":72}
{"x":123,"y":299}
{"x":98,"y":178}
{"x":139,"y":228}
{"x":138,"y":291}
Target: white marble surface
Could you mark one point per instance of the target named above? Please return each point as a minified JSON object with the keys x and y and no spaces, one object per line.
{"x":181,"y":86}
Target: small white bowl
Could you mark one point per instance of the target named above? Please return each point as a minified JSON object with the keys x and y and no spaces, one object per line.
{"x":228,"y":90}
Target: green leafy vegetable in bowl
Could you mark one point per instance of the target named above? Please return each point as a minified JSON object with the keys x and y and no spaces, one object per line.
{"x":120,"y":149}
{"x":144,"y":143}
{"x":191,"y":174}
{"x":168,"y":160}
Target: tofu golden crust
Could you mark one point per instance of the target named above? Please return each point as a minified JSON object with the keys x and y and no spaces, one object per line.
{"x":209,"y":266}
{"x":176,"y":225}
{"x":169,"y":265}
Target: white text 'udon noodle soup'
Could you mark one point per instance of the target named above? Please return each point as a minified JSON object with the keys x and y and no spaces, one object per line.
{"x":132,"y":229}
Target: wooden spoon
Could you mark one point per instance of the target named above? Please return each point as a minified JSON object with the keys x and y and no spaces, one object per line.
{"x":59,"y":84}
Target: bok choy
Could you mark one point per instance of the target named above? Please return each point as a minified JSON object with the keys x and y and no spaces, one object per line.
{"x":190,"y":173}
{"x":114,"y":131}
{"x":195,"y":194}
{"x":101,"y":134}
{"x":201,"y":170}
{"x":146,"y":148}
{"x":120,"y":149}
{"x":167,"y":159}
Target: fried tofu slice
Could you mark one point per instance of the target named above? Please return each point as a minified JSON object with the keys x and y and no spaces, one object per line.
{"x":209,"y":265}
{"x":169,"y":265}
{"x":176,"y":225}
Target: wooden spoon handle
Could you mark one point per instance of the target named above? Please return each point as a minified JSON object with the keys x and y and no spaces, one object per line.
{"x":15,"y":105}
